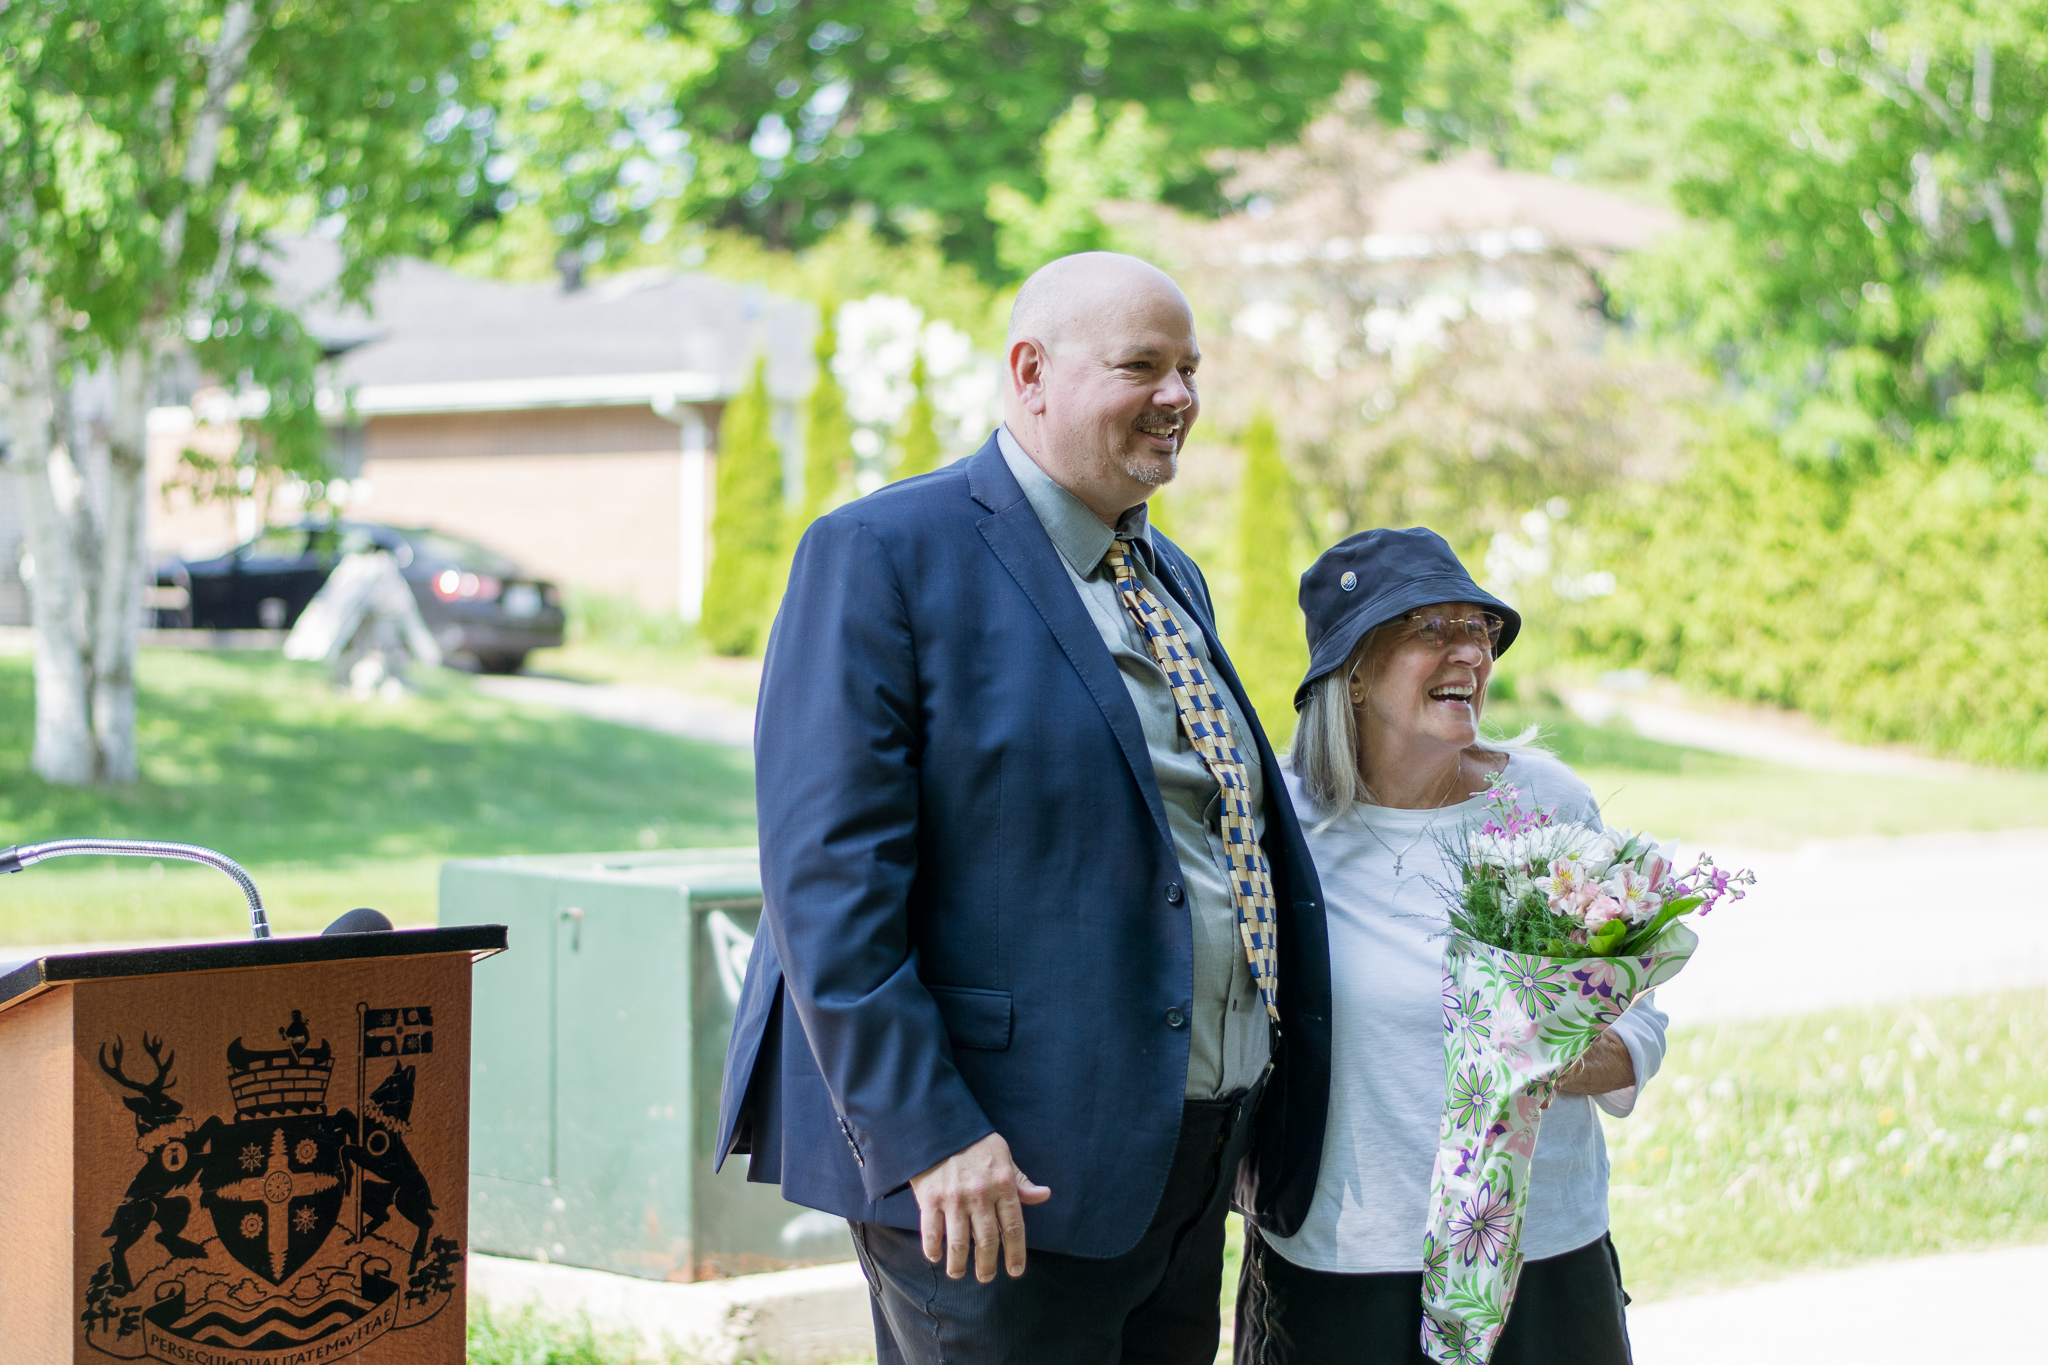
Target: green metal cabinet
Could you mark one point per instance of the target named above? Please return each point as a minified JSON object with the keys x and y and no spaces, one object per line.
{"x":597,"y":1052}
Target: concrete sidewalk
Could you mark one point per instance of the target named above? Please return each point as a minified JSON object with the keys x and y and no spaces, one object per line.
{"x":1870,"y":901}
{"x":1890,"y":1313}
{"x":650,"y":708}
{"x":1665,"y":714}
{"x":812,"y":1316}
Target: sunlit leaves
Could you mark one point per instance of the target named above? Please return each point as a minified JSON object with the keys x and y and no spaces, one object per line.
{"x":1867,"y":186}
{"x":923,"y":106}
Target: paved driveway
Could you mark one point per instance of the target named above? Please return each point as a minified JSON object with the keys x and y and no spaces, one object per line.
{"x":1971,"y":1305}
{"x":1882,"y":908}
{"x":650,"y":708}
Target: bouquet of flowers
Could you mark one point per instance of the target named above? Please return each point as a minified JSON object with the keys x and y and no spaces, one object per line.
{"x":1556,"y":928}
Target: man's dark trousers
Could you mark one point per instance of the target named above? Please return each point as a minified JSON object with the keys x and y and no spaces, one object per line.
{"x":1154,"y":1305}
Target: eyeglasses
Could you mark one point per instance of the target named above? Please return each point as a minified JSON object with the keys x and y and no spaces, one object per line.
{"x":1438,"y":631}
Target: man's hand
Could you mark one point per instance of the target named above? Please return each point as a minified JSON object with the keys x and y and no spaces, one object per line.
{"x":1606,"y":1066}
{"x":976,"y":1197}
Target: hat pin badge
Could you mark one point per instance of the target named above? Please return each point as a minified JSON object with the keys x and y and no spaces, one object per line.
{"x":1348,"y":581}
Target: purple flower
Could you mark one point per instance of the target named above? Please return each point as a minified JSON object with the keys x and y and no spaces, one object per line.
{"x":1483,"y":1226}
{"x":1596,"y":978}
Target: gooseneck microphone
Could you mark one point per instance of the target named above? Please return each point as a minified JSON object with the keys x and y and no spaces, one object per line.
{"x":28,"y":855}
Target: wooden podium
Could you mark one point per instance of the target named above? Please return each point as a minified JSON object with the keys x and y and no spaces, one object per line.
{"x":238,"y":1153}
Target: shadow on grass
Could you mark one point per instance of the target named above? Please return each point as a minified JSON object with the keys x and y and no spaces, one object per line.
{"x":262,"y":759}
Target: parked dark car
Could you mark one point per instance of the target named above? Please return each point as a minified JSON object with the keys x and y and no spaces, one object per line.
{"x":485,"y":610}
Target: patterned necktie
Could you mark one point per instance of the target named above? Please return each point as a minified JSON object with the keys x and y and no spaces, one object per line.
{"x":1208,"y":728}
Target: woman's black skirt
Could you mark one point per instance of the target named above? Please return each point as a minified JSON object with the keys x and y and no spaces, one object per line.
{"x":1567,"y":1311}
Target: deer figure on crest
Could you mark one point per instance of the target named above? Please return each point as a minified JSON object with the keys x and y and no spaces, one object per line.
{"x":167,"y":1139}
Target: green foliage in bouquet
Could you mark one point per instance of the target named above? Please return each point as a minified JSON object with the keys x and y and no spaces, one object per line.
{"x":1532,"y":884}
{"x":1527,"y":924}
{"x":1490,"y":914}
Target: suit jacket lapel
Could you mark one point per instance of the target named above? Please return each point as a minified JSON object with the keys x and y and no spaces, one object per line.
{"x":1020,"y":543}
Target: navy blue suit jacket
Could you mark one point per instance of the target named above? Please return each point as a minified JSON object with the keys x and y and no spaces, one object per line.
{"x":972,"y":917}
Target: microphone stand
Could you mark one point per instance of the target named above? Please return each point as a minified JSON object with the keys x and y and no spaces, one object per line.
{"x":28,"y":855}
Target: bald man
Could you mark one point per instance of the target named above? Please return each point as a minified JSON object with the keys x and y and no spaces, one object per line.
{"x":1043,"y":983}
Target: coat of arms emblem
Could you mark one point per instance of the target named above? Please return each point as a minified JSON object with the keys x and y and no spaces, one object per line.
{"x":286,"y":1226}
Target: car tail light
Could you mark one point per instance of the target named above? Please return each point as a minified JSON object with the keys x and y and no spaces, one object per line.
{"x":453,"y":585}
{"x":551,"y":594}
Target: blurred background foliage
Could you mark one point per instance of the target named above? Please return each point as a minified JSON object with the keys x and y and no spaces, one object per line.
{"x":1791,"y":452}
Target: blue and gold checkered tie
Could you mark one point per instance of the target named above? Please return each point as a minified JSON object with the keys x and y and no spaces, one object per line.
{"x":1208,"y":728}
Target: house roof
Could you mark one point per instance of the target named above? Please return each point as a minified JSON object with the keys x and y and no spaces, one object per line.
{"x":432,"y":340}
{"x":1470,"y":196}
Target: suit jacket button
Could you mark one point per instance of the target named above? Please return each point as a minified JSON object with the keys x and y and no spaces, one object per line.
{"x":1174,"y":1017}
{"x":1173,"y":893}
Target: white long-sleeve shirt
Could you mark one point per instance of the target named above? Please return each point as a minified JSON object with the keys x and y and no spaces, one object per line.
{"x":1387,"y":1069}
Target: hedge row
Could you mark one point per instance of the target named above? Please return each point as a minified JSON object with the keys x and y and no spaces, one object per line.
{"x":1910,"y":605}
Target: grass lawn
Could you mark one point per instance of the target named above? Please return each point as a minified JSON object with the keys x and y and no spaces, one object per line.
{"x":334,"y":803}
{"x":1714,"y":799}
{"x":527,"y":1337}
{"x":1770,"y":1146}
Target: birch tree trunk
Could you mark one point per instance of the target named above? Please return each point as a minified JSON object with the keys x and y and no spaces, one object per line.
{"x":116,"y":601}
{"x":53,"y":495}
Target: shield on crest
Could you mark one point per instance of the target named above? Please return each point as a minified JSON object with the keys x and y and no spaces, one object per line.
{"x":275,"y":1188}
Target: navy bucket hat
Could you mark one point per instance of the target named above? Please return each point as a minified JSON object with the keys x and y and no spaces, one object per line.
{"x":1375,"y":577}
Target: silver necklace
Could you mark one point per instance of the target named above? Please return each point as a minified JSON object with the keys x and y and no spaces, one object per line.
{"x":1409,"y":847}
{"x":1403,"y":852}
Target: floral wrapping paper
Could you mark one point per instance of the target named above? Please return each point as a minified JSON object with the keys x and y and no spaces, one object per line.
{"x":1513,"y":1024}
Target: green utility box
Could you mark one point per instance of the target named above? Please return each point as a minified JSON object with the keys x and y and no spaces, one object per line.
{"x":597,"y":1050}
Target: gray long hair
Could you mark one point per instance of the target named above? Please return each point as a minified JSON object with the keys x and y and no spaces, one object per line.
{"x":1326,"y":755}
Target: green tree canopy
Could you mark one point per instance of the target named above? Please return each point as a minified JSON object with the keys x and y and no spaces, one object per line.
{"x":1084,"y":162}
{"x":1869,"y":265}
{"x":794,"y":113}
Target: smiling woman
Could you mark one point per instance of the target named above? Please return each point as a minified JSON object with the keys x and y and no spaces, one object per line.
{"x":1389,"y":711}
{"x":1387,"y":756}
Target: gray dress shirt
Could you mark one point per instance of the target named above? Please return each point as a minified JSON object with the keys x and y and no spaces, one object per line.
{"x":1229,"y":1039}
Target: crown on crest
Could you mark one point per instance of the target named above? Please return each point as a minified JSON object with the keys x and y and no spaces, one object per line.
{"x":274,"y":1084}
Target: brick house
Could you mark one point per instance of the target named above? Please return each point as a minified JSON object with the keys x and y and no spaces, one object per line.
{"x":575,"y":429}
